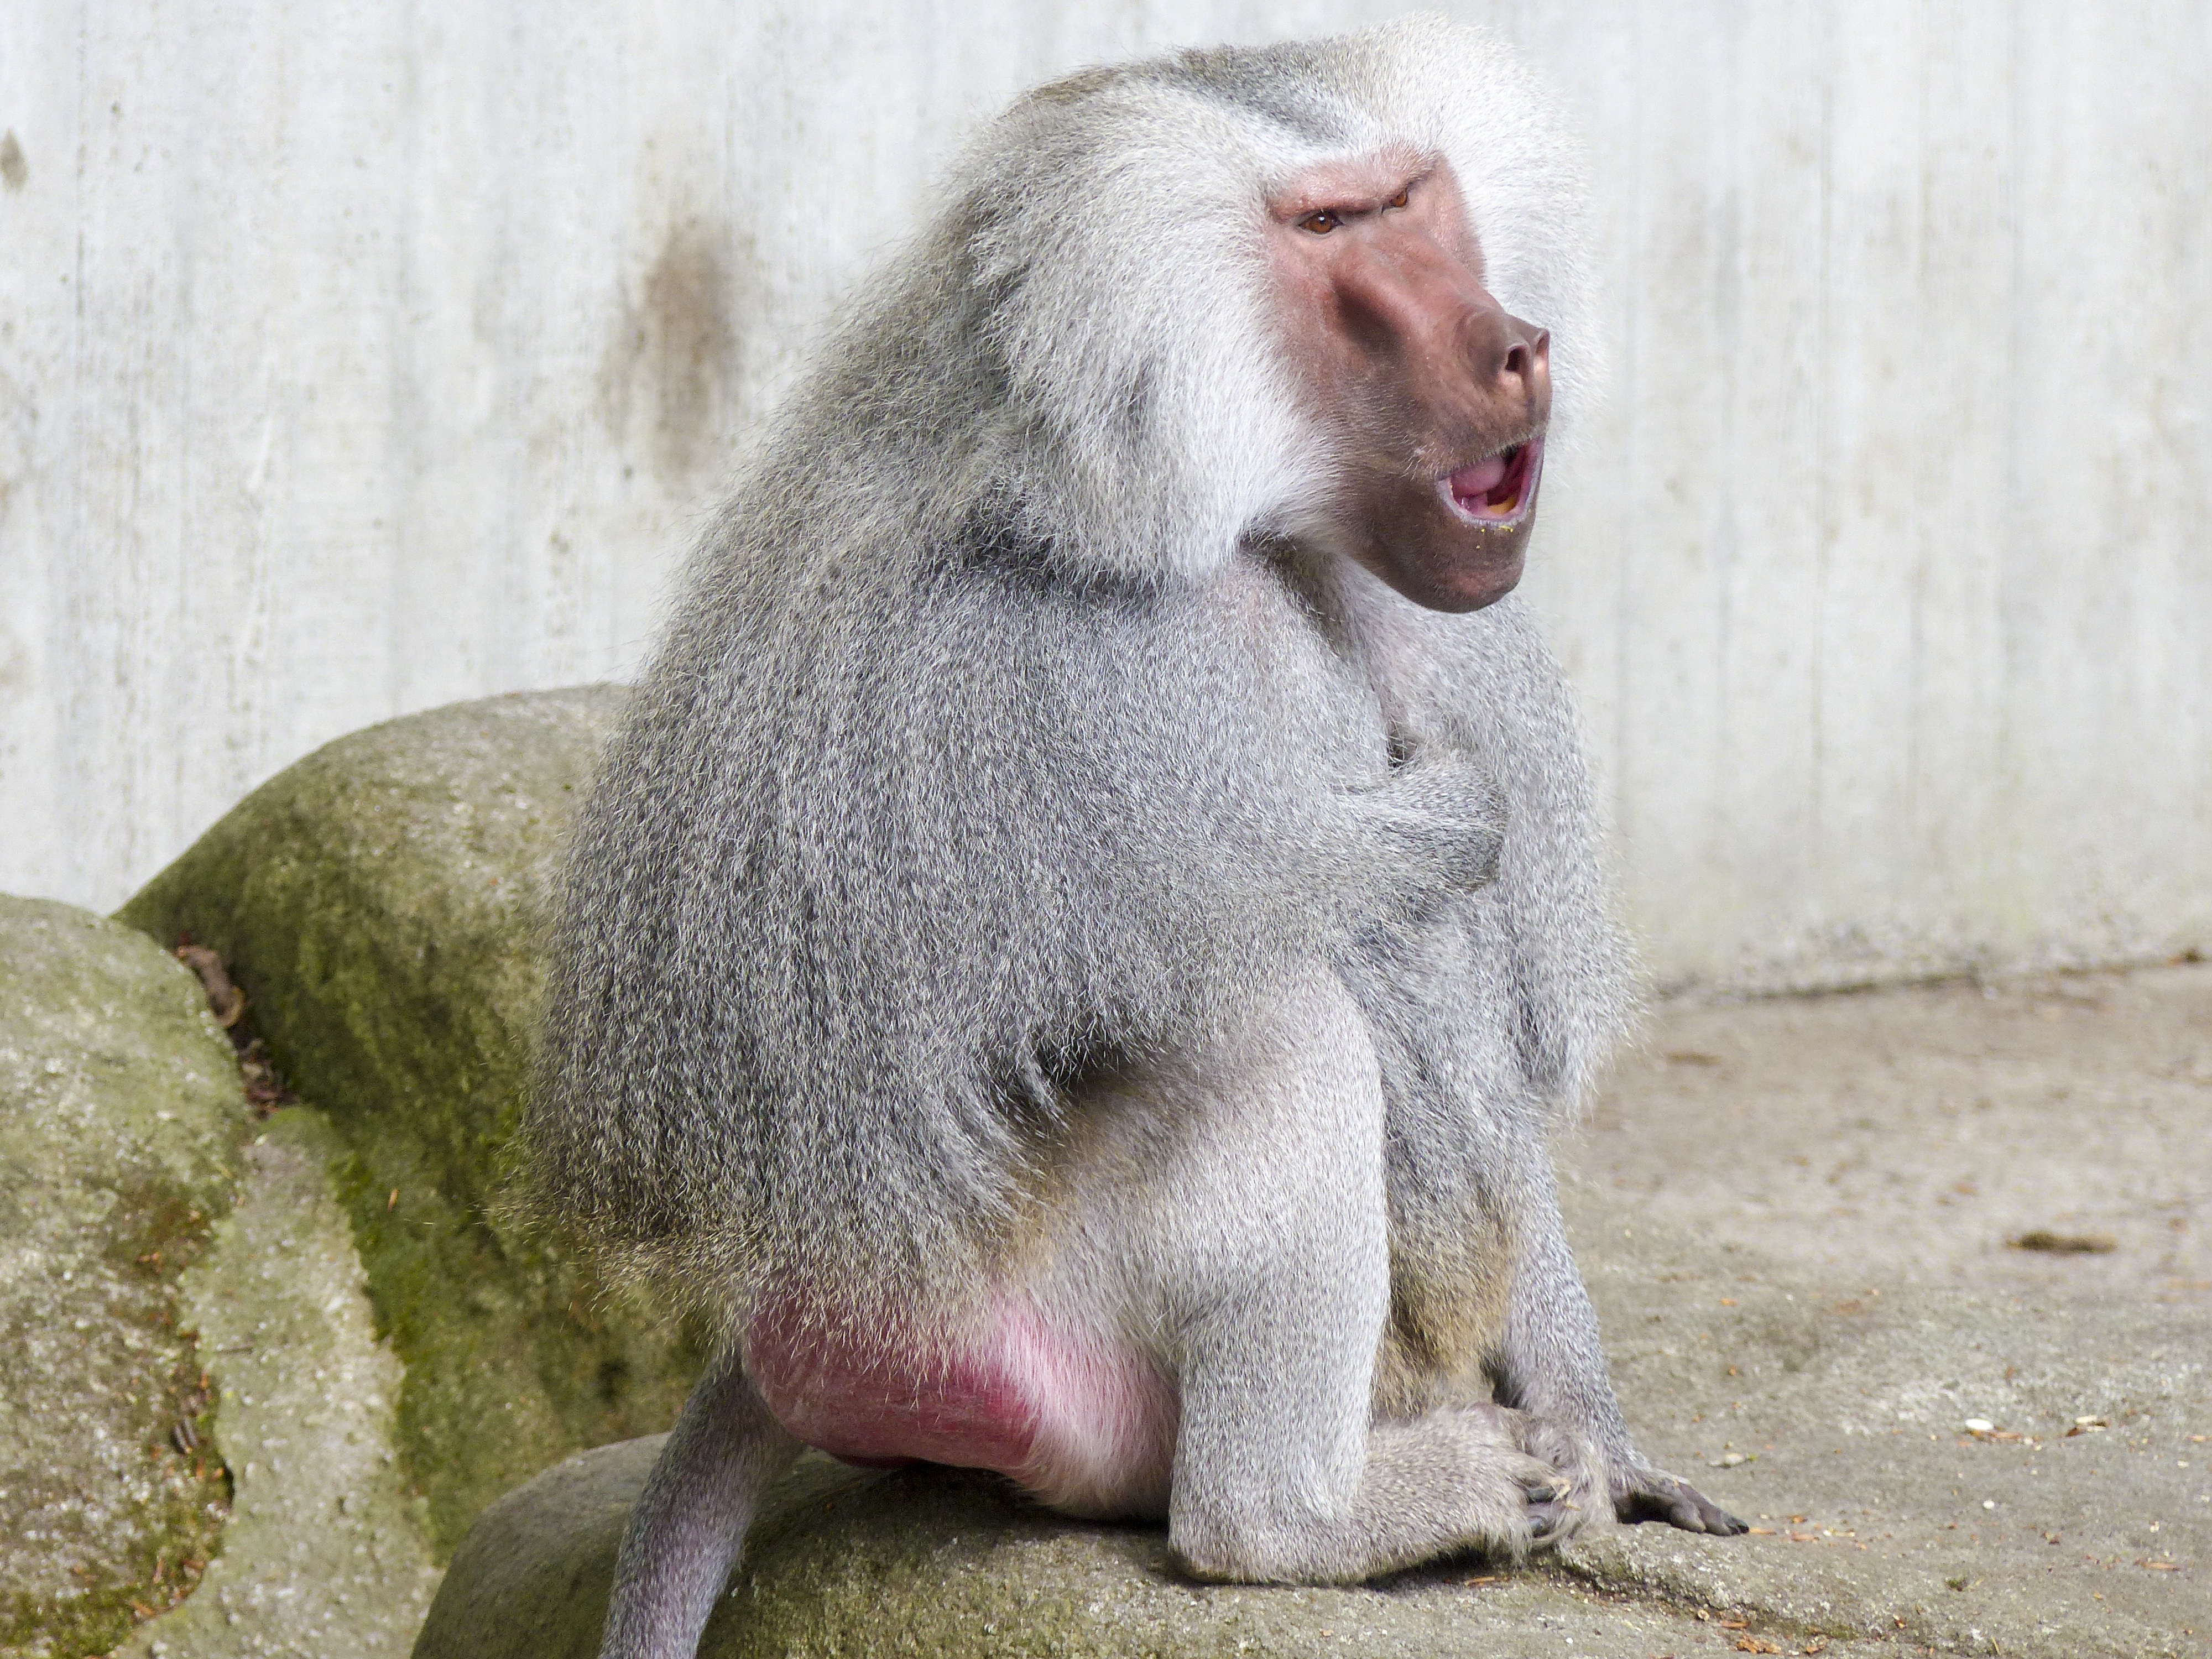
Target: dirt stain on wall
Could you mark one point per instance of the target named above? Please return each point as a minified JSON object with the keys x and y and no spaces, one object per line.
{"x":13,"y":169}
{"x":670,"y":375}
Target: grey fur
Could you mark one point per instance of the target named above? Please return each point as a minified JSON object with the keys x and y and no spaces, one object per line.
{"x":1011,"y":761}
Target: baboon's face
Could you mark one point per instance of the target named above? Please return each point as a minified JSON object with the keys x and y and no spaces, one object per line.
{"x":1438,"y":399}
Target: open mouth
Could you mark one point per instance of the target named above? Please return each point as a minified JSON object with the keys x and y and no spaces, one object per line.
{"x":1498,"y":490}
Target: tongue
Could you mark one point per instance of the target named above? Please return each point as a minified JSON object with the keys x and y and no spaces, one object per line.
{"x":1474,"y":483}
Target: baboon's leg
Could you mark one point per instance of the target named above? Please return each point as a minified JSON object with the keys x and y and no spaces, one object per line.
{"x":684,"y":1533}
{"x":1263,"y":1214}
{"x":1552,"y":1365}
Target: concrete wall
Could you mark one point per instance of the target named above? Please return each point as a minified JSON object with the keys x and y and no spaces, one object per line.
{"x":358,"y":357}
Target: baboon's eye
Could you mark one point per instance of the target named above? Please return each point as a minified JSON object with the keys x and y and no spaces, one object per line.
{"x":1323,"y":222}
{"x":1400,"y":199}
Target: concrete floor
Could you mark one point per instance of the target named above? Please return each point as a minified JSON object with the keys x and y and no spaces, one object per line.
{"x":1798,"y":1219}
{"x":1906,"y":1136}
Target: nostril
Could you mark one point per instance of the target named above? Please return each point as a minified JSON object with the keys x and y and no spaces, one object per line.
{"x":1519,"y":361}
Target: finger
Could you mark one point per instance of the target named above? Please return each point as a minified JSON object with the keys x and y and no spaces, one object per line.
{"x":1710,"y":1516}
{"x":1682,"y":1505}
{"x":1540,"y":1480}
{"x":1652,"y":1501}
{"x":1550,"y":1521}
{"x":1718,"y":1520}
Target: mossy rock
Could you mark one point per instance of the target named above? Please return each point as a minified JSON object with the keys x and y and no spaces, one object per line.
{"x":383,"y":905}
{"x":323,"y":1551}
{"x":122,"y":1120}
{"x":940,"y":1564}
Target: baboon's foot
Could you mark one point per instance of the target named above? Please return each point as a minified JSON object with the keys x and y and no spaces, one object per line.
{"x":1644,"y":1493}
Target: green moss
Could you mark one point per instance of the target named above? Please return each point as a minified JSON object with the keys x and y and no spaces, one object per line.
{"x":147,"y":1552}
{"x":382,"y":905}
{"x":121,"y":1113}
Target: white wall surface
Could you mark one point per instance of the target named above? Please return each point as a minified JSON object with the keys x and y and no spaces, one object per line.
{"x":358,"y":357}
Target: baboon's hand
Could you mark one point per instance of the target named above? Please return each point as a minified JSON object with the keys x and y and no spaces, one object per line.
{"x":1554,"y":1514}
{"x":1444,"y":820}
{"x":1518,"y":1499}
{"x":1578,"y":1497}
{"x":1650,"y":1494}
